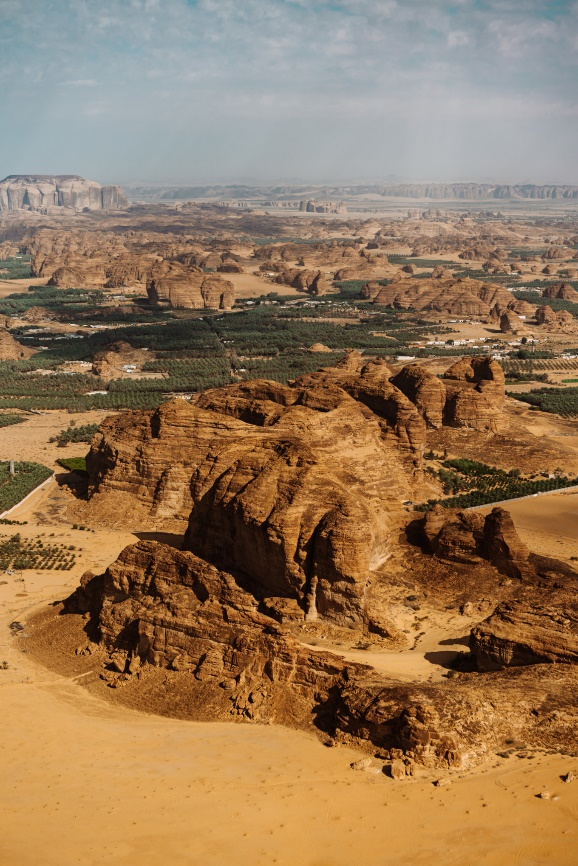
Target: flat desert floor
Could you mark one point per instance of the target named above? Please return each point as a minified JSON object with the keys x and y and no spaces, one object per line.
{"x":88,"y":782}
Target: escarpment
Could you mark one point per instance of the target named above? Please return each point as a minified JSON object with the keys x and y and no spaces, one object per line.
{"x":289,"y":486}
{"x":291,"y":497}
{"x":170,"y":609}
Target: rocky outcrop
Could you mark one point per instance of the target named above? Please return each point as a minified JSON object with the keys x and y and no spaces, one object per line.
{"x":425,"y":391}
{"x":510,"y":323}
{"x":110,"y":362}
{"x":368,"y":382}
{"x":468,"y":537}
{"x":561,"y":291}
{"x":74,"y":278}
{"x":189,"y":288}
{"x":156,"y":606}
{"x":42,"y":192}
{"x":520,"y":632}
{"x":11,"y":349}
{"x":561,"y":322}
{"x":475,"y":390}
{"x":258,"y":471}
{"x":312,"y":282}
{"x":456,"y":297}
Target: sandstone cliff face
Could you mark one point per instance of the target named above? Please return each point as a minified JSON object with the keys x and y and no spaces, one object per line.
{"x":41,"y":192}
{"x":267,"y":496}
{"x":170,"y":609}
{"x":288,"y":486}
{"x":475,"y":393}
{"x":11,"y":349}
{"x":312,"y":282}
{"x":468,"y":537}
{"x":425,"y":391}
{"x":562,"y":322}
{"x":174,"y":610}
{"x":563,"y":291}
{"x":510,"y":323}
{"x":456,"y":297}
{"x":189,"y":288}
{"x":520,"y":633}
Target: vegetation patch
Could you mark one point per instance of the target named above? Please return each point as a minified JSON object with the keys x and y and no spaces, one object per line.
{"x":83,"y":433}
{"x":15,"y":268}
{"x":13,"y":488}
{"x":74,"y":464}
{"x":560,"y":401}
{"x":471,"y":483}
{"x":7,"y":420}
{"x":22,"y":553}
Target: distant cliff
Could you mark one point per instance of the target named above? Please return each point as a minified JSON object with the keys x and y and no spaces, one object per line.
{"x":478,"y":191}
{"x":292,"y":195}
{"x":43,"y":192}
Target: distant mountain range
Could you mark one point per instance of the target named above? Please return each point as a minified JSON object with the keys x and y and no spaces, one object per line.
{"x":434,"y":191}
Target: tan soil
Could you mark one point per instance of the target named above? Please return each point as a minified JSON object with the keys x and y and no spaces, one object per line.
{"x":29,"y":440}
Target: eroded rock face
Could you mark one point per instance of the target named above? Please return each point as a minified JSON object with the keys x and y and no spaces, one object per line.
{"x":425,"y":391}
{"x":288,"y":486}
{"x":468,"y":536}
{"x":520,"y":632}
{"x":561,"y":321}
{"x":475,"y":393}
{"x":174,"y":610}
{"x":457,"y":297}
{"x":189,"y":288}
{"x":510,"y":323}
{"x":11,"y":349}
{"x":268,"y":496}
{"x":41,"y":192}
{"x":562,"y":291}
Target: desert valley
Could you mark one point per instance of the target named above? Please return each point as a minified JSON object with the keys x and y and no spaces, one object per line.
{"x":288,"y":510}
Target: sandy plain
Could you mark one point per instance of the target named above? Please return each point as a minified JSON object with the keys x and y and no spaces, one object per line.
{"x":88,"y":782}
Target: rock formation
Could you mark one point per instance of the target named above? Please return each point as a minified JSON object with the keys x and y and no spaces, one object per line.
{"x":456,"y":297}
{"x":425,"y":391}
{"x":43,"y":192}
{"x":468,"y":536}
{"x":510,"y":323}
{"x":561,"y":321}
{"x":562,"y":291}
{"x":189,"y":288}
{"x":521,"y":632}
{"x":475,"y":393}
{"x":110,"y":361}
{"x":167,"y":608}
{"x":257,"y":469}
{"x":11,"y":349}
{"x":312,"y":282}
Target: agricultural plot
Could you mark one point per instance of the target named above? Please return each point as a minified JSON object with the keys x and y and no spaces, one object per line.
{"x":471,"y":483}
{"x":13,"y":488}
{"x":19,"y":554}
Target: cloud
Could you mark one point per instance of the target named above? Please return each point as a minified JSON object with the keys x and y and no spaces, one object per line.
{"x":208,"y":74}
{"x":457,"y":38}
{"x":80,"y":82}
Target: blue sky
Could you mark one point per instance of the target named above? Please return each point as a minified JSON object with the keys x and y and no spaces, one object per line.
{"x":208,"y":90}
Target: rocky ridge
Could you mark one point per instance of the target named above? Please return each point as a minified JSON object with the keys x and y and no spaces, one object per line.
{"x":48,"y":193}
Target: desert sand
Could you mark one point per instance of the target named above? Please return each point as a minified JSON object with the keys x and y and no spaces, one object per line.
{"x":88,"y":782}
{"x":12,"y":287}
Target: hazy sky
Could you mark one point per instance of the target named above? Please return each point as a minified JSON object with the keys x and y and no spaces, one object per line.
{"x":194,"y":90}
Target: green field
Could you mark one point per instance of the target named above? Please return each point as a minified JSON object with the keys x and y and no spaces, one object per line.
{"x":13,"y":488}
